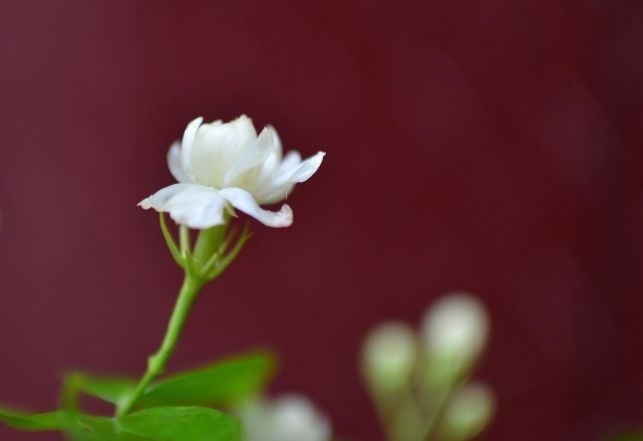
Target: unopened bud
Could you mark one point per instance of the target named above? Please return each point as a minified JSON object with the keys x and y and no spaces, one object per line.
{"x":468,"y":413}
{"x":389,"y":356}
{"x":454,"y":333}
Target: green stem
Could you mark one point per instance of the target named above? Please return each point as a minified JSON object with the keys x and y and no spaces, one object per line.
{"x":157,"y":362}
{"x":69,"y":396}
{"x":438,"y":408}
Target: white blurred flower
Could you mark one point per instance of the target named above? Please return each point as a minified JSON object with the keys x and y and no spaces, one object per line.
{"x":289,"y":418}
{"x":454,"y":332}
{"x":388,"y":357}
{"x":222,"y":164}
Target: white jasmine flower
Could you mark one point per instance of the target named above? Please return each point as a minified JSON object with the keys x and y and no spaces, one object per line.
{"x":223,"y":165}
{"x":289,"y":418}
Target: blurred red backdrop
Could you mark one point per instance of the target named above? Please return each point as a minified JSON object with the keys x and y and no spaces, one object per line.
{"x":488,"y":145}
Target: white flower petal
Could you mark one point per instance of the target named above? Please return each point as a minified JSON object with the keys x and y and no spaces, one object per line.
{"x":268,"y":167}
{"x":219,"y":147}
{"x":281,"y":186}
{"x":230,"y":156}
{"x":302,"y":172}
{"x":257,"y":153}
{"x":186,"y":146}
{"x":290,"y":161}
{"x":243,"y":201}
{"x":244,"y":127}
{"x":276,"y":140}
{"x":193,"y":205}
{"x":174,"y":163}
{"x":276,"y":194}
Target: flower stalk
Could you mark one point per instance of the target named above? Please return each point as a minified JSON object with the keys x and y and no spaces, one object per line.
{"x":219,"y":167}
{"x":201,"y":265}
{"x":156,"y":363}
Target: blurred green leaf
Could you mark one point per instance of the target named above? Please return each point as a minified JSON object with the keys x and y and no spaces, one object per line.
{"x":223,"y":383}
{"x":159,"y":424}
{"x":154,"y":424}
{"x":182,"y":424}
{"x":110,"y":389}
{"x":94,"y":428}
{"x":628,"y":436}
{"x":58,"y":420}
{"x":79,"y":427}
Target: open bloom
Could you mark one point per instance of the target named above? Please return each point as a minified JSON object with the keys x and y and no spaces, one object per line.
{"x":223,"y":165}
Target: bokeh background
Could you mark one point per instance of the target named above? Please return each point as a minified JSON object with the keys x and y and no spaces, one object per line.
{"x":493,"y":146}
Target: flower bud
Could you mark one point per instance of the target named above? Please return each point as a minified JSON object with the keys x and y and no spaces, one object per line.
{"x":454,"y":333}
{"x":289,"y":418}
{"x":468,"y":413}
{"x":388,"y":357}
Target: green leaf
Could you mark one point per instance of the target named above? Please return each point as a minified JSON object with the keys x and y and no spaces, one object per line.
{"x":58,"y":420}
{"x":158,"y":424}
{"x":181,"y":424}
{"x":94,"y":428}
{"x":224,"y":383}
{"x":80,"y":427}
{"x":110,"y":389}
{"x":154,"y":424}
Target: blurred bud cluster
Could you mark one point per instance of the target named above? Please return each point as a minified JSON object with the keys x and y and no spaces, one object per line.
{"x":420,"y":380}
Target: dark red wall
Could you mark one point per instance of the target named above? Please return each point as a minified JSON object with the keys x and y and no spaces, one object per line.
{"x":488,"y":145}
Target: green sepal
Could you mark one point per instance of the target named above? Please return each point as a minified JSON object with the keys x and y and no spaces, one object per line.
{"x":216,"y":265}
{"x":171,"y":244}
{"x":208,"y":243}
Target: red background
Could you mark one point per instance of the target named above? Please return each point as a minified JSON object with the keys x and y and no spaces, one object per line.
{"x":488,"y":145}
